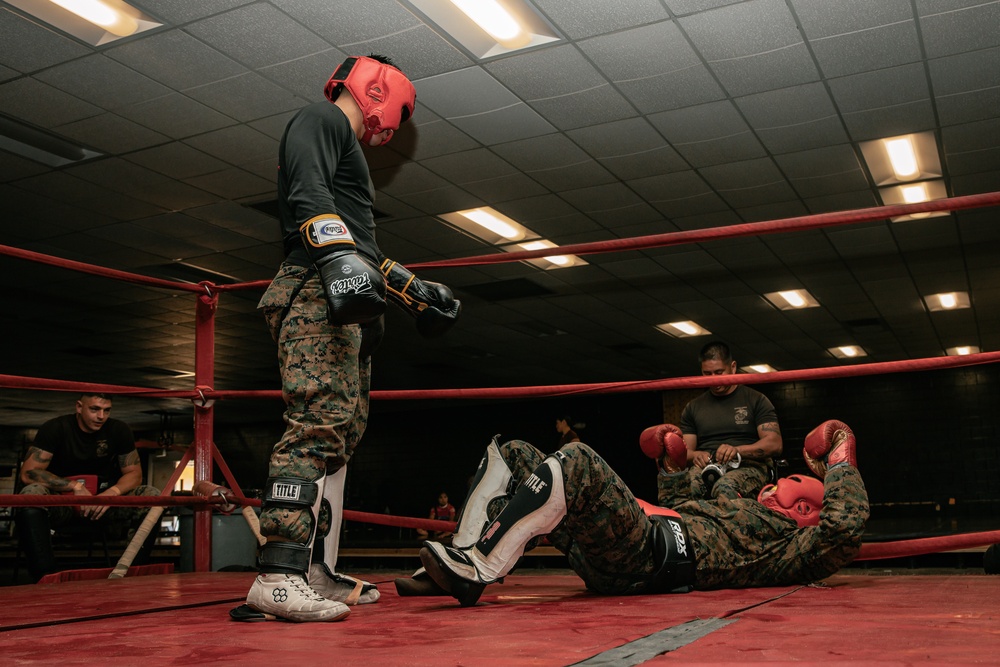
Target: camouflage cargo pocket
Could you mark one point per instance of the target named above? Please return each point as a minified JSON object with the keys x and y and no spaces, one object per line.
{"x":279,"y":294}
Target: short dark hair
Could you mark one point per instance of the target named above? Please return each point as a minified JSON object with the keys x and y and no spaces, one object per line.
{"x":385,"y":60}
{"x":106,"y":397}
{"x":716,"y":350}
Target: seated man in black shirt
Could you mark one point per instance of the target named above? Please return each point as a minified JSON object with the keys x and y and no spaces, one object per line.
{"x":86,"y":453}
{"x":731,"y":433}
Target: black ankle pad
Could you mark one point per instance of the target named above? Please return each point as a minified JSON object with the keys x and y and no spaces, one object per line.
{"x":290,"y":492}
{"x":284,"y":557}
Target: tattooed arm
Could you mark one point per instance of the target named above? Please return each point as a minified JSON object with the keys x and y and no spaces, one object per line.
{"x":131,"y":469}
{"x":34,"y":470}
{"x":768,"y":446}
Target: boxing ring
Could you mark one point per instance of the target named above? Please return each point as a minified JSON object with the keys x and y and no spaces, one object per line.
{"x":167,"y":614}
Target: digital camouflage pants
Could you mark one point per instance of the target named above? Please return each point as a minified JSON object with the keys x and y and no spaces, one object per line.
{"x":737,"y":543}
{"x":325,"y":387}
{"x":127,"y":516}
{"x":743,"y":482}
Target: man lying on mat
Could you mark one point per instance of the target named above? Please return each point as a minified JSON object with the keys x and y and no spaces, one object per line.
{"x":798,"y":531}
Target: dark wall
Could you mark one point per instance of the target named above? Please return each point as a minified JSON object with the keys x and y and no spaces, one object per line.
{"x":929,"y":437}
{"x":413,"y":452}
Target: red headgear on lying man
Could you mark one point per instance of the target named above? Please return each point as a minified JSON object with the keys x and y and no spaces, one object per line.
{"x":798,"y":497}
{"x":384,"y":94}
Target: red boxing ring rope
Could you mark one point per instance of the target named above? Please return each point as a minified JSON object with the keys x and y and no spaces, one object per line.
{"x":203,"y":449}
{"x":691,"y":382}
{"x":800,"y":223}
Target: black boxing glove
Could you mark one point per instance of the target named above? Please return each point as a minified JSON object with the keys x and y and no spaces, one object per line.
{"x":355,"y":290}
{"x":432,"y":304}
{"x":371,"y":337}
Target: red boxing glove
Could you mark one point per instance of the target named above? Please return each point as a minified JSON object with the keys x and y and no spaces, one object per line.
{"x":830,"y":444}
{"x":665,"y":439}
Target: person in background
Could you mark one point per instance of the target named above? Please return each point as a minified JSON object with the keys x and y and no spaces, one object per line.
{"x":442,"y":511}
{"x":564,"y":426}
{"x":85,"y":453}
{"x":731,"y":432}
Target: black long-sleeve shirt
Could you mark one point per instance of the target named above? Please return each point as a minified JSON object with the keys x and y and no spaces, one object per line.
{"x":322,"y":169}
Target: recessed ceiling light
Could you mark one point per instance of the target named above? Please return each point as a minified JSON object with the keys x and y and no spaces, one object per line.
{"x":494,"y":223}
{"x":488,"y":224}
{"x":792,"y":299}
{"x":683,"y":329}
{"x":93,"y":21}
{"x":962,"y":350}
{"x":758,"y":368}
{"x":548,"y":261}
{"x":908,"y":157}
{"x":495,"y":20}
{"x":847,"y":352}
{"x":947,"y":301}
{"x":913,"y":193}
{"x":487,"y":28}
{"x":902,"y":157}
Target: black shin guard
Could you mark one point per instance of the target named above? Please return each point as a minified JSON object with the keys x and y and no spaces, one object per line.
{"x":296,"y":494}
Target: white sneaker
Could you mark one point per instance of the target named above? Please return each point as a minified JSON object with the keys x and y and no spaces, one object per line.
{"x":340,"y":587}
{"x":290,"y":597}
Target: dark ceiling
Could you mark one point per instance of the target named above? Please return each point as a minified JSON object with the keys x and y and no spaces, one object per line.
{"x":645,"y":117}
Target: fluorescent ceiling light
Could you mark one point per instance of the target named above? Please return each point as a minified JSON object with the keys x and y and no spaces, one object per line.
{"x":489,"y":225}
{"x":792,"y":299}
{"x":901,"y":157}
{"x":100,"y":14}
{"x":683,"y":329}
{"x":548,"y":261}
{"x":495,"y":228}
{"x":561,"y":260}
{"x":962,"y":350}
{"x":847,"y":352}
{"x":493,"y":222}
{"x":758,"y":368}
{"x":947,"y":301}
{"x":912,"y":193}
{"x":95,"y":22}
{"x":909,"y":157}
{"x":487,"y":28}
{"x":495,"y":20}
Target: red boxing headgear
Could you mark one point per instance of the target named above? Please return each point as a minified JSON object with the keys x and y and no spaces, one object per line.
{"x":798,"y":497}
{"x":385,"y":95}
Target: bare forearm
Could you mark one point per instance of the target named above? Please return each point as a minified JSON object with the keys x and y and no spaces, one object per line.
{"x":769,"y":445}
{"x":128,"y":481}
{"x":49,"y":480}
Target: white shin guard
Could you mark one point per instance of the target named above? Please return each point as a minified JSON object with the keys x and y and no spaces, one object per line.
{"x":537,"y":507}
{"x":323,"y":576}
{"x":334,"y":495}
{"x":492,"y":480}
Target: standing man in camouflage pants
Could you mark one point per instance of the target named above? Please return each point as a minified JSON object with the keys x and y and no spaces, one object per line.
{"x":325,"y":310}
{"x":619,"y":545}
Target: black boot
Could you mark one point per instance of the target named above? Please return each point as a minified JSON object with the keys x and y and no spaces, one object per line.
{"x":35,"y":540}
